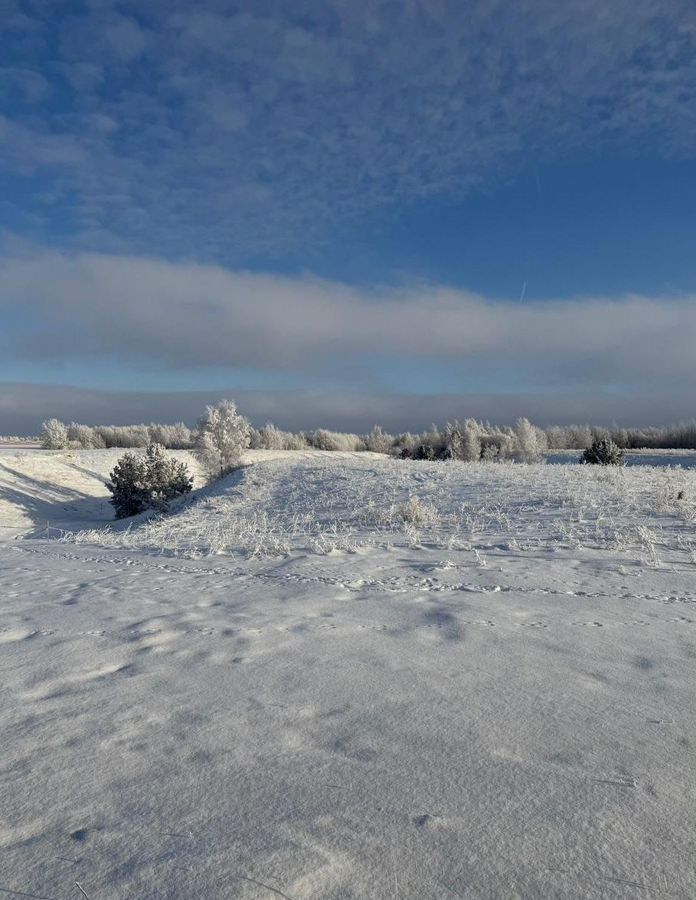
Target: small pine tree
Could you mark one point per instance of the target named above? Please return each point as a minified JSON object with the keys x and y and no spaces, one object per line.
{"x":128,"y":486}
{"x":603,"y":452}
{"x":424,"y":452}
{"x":138,"y":483}
{"x":165,"y":477}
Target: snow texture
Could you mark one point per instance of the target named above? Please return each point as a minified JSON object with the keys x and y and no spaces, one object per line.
{"x":338,"y":675}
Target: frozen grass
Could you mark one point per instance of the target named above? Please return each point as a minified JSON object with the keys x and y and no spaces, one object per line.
{"x":283,"y":506}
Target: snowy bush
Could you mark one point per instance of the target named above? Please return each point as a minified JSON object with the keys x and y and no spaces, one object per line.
{"x":428,"y":445}
{"x":126,"y":436}
{"x":497,"y":447}
{"x":91,"y":437}
{"x":54,"y":435}
{"x":403,"y":445}
{"x":271,"y":438}
{"x":85,"y":437}
{"x":416,"y":512}
{"x":223,"y":436}
{"x":176,"y":437}
{"x":138,"y":483}
{"x":267,"y":438}
{"x":322,"y":439}
{"x":603,"y":452}
{"x":293,"y":441}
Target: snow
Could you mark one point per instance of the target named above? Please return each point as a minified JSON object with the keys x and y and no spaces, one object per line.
{"x":337,"y":675}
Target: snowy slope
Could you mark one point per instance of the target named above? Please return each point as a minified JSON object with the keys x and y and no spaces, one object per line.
{"x":343,"y":676}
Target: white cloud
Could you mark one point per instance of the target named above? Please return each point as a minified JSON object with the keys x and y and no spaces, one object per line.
{"x":184,"y":316}
{"x":250,"y":131}
{"x":26,"y":149}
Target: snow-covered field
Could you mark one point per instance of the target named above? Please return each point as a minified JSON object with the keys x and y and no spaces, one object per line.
{"x":343,"y":676}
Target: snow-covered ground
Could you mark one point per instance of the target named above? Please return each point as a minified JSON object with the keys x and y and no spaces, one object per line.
{"x":344,"y":676}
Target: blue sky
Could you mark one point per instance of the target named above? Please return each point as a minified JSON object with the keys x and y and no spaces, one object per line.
{"x":270,"y":199}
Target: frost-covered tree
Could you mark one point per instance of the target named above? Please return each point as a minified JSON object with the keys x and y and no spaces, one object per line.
{"x":463,"y":441}
{"x":54,"y":435}
{"x":453,"y":440}
{"x":158,"y":434}
{"x":620,"y":436}
{"x":180,"y":436}
{"x":530,"y":441}
{"x":85,"y":436}
{"x":497,"y":446}
{"x":556,"y":437}
{"x":579,"y":436}
{"x":378,"y":441}
{"x":223,"y":436}
{"x":603,"y":452}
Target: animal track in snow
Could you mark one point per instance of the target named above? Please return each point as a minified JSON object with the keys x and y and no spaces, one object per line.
{"x":619,"y":781}
{"x":14,"y":635}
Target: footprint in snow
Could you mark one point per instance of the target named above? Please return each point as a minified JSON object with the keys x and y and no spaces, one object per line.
{"x":424,"y":821}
